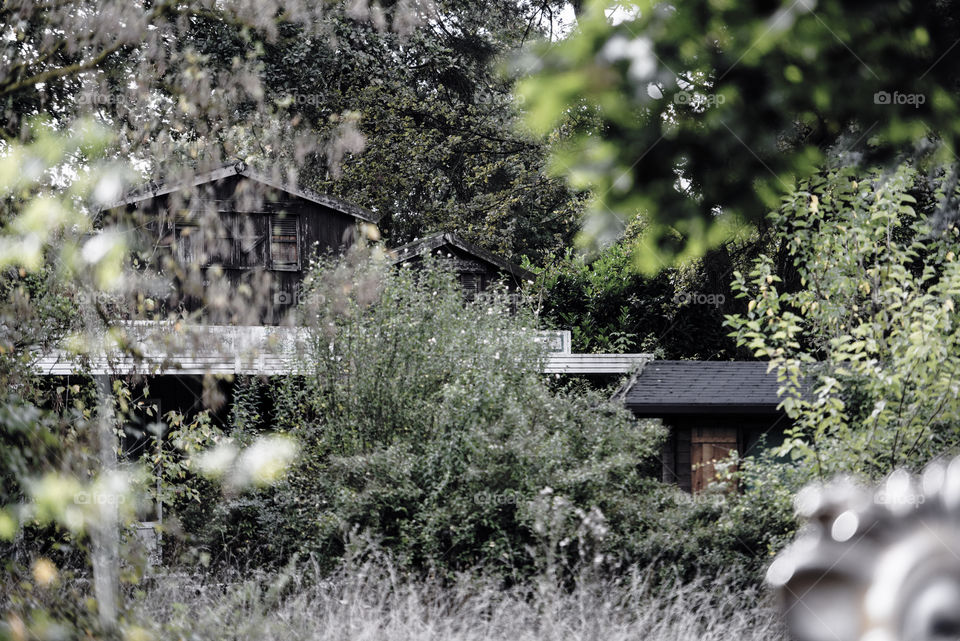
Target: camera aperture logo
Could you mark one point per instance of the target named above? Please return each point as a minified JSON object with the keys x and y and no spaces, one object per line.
{"x":699,"y":298}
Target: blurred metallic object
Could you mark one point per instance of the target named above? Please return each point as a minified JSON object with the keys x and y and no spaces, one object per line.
{"x":878,"y":565}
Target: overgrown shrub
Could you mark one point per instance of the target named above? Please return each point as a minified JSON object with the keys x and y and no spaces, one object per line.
{"x":426,"y":424}
{"x":425,"y":421}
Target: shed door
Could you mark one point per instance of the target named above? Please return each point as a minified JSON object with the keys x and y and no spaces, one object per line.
{"x":709,"y":444}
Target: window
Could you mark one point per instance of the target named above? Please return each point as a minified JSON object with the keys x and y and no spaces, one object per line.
{"x":230,"y":242}
{"x":238,"y":245}
{"x":472,"y":284}
{"x":284,"y":242}
{"x":188,"y":241}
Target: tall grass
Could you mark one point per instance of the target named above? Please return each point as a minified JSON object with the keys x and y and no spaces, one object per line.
{"x":372,"y":601}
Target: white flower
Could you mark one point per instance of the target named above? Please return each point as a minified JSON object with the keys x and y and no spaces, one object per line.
{"x":108,"y":189}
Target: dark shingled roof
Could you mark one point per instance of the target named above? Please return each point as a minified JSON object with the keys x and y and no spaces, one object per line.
{"x":703,"y":387}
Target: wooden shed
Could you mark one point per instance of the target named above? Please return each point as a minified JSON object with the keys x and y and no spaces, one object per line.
{"x":711,"y":408}
{"x":476,"y":268}
{"x":246,"y":222}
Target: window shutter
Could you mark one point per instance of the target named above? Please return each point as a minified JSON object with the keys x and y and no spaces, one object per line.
{"x":471,"y":285}
{"x":188,"y":241}
{"x":284,"y":242}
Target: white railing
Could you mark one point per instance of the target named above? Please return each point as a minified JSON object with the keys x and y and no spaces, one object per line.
{"x":159,"y":349}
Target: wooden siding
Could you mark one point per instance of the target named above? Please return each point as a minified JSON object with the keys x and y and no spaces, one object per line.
{"x":231,"y":223}
{"x":708,"y":445}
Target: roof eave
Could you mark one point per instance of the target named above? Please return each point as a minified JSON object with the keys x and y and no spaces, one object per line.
{"x":419,"y":248}
{"x":653,"y":410}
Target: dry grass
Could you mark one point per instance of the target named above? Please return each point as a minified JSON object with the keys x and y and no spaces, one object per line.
{"x":372,"y":602}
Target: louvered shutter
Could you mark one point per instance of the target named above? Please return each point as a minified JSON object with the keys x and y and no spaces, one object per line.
{"x":471,"y":285}
{"x":284,"y":242}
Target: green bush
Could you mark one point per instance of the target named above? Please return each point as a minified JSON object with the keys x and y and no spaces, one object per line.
{"x":426,"y":426}
{"x":867,"y":343}
{"x":424,"y":421}
{"x":610,"y":307}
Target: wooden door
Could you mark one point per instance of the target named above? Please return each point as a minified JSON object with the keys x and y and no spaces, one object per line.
{"x":708,"y":445}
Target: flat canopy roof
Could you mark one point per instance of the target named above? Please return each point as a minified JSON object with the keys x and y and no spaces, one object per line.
{"x":174,"y":349}
{"x":703,"y":387}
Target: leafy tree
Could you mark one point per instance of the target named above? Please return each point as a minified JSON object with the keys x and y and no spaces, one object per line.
{"x":415,"y":124}
{"x":711,"y":111}
{"x":866,"y":344}
{"x":611,"y":308}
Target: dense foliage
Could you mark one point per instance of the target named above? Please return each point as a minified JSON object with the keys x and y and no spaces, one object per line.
{"x":711,"y":111}
{"x":425,"y":427}
{"x":611,"y":307}
{"x":425,"y":423}
{"x":867,"y":344}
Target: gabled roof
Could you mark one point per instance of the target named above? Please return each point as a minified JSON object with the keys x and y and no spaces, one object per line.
{"x":154,"y":190}
{"x":428,"y":244}
{"x":703,"y":387}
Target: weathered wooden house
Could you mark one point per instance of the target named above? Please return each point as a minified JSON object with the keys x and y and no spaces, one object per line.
{"x":476,"y":268}
{"x":711,"y":408}
{"x":246,"y":224}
